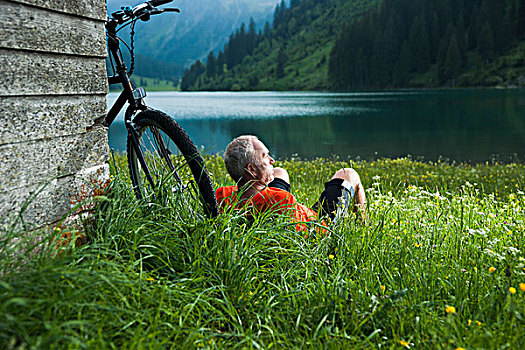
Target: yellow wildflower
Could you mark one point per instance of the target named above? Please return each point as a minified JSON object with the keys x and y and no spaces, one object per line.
{"x":460,"y":348}
{"x":403,"y":343}
{"x":478,"y":323}
{"x":150,"y":279}
{"x":383,"y":288}
{"x":522,"y":287}
{"x":450,"y":310}
{"x":512,"y":290}
{"x":492,"y":269}
{"x":330,"y":256}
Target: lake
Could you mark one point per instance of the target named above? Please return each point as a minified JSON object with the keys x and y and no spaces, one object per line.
{"x":461,"y":125}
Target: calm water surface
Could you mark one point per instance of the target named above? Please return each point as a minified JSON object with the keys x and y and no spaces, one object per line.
{"x":462,"y":125}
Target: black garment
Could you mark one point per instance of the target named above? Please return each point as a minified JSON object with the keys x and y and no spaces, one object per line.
{"x":335,"y":190}
{"x":281,"y":184}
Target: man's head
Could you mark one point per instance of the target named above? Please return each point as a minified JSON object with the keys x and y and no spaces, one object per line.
{"x":247,"y":158}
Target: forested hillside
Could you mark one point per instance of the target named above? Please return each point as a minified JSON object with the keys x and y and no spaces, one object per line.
{"x":428,"y":43}
{"x":370,"y":44}
{"x":292,"y":53}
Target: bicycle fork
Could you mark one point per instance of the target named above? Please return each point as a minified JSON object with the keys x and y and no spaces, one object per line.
{"x":133,"y":135}
{"x":163,"y":150}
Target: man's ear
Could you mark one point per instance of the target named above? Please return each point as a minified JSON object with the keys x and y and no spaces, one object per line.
{"x":251,"y":169}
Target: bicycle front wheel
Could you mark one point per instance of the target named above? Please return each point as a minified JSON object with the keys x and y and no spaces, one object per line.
{"x":166,"y":168}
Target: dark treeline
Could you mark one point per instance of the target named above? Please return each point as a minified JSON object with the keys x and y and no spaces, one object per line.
{"x":286,"y":22}
{"x":147,"y":67}
{"x":406,"y":38}
{"x":241,"y":44}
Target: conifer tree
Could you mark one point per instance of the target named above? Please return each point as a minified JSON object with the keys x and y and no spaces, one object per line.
{"x":441,"y":60}
{"x":279,"y":14}
{"x":360,"y":71}
{"x":385,"y":46}
{"x":266,"y":30}
{"x":453,"y":60}
{"x":281,"y":62}
{"x":220,"y":64}
{"x":493,"y":14}
{"x":251,"y":37}
{"x":211,"y":65}
{"x":402,"y":67}
{"x":521,"y":21}
{"x":191,"y":75}
{"x":419,"y":45}
{"x":473,"y":30}
{"x":486,"y":42}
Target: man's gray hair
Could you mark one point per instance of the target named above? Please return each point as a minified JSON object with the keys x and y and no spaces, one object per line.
{"x":239,"y":153}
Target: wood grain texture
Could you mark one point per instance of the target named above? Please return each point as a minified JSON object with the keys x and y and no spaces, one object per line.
{"x":53,"y":87}
{"x":95,"y":9}
{"x":26,"y":73}
{"x":33,"y":118}
{"x":47,"y":202}
{"x":29,"y":163}
{"x":29,"y":28}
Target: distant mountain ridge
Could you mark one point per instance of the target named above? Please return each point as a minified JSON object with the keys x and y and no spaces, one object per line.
{"x":173,"y":41}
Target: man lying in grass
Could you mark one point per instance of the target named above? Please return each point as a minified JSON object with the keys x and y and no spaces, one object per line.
{"x":263,"y":187}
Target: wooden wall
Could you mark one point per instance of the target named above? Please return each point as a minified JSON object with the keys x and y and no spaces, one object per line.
{"x":52,"y":87}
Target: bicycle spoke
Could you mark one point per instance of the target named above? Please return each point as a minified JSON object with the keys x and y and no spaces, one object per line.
{"x":163,"y":149}
{"x":177,"y":174}
{"x":168,"y":170}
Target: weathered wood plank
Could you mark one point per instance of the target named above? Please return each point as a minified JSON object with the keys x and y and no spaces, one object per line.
{"x":48,"y":202}
{"x":28,"y":163}
{"x":51,"y":200}
{"x":95,"y":9}
{"x":53,"y":87}
{"x":31,"y":118}
{"x":42,"y":74}
{"x":28,"y":28}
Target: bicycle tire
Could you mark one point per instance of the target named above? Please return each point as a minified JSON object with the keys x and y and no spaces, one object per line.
{"x":173,"y":176}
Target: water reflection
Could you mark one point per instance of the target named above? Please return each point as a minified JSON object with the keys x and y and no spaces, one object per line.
{"x":460,"y":125}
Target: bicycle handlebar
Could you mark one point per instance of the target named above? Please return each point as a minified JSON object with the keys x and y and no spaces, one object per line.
{"x":122,"y":18}
{"x":142,"y":11}
{"x":159,"y":2}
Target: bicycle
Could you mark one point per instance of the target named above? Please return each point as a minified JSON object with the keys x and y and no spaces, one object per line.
{"x":164,"y":164}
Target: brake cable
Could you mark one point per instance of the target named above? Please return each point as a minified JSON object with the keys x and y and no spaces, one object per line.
{"x":132,"y":65}
{"x":130,"y":50}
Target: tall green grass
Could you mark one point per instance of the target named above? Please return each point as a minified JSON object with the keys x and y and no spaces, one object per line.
{"x":439,"y":236}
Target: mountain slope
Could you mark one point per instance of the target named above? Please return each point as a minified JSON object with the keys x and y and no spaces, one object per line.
{"x":367,"y":44}
{"x":302,"y":37}
{"x":176,"y":40}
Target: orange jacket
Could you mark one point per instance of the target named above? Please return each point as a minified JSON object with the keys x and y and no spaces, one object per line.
{"x":275,"y":199}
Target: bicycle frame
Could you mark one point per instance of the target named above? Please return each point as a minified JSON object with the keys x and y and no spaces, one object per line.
{"x":129,"y":95}
{"x":132,"y":96}
{"x":150,"y":131}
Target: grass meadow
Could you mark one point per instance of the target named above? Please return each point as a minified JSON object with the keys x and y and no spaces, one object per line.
{"x":440,"y":264}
